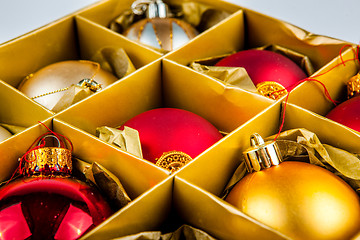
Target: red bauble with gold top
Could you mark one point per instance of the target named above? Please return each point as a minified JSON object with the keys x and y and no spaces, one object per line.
{"x":265,"y":66}
{"x":47,"y":202}
{"x":170,"y":129}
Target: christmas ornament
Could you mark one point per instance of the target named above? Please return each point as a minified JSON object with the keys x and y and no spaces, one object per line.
{"x":300,"y":200}
{"x":269,"y":71}
{"x":48,"y":85}
{"x":47,"y":203}
{"x":348,"y":112}
{"x":171,"y":137}
{"x":4,"y":134}
{"x":159,"y":29}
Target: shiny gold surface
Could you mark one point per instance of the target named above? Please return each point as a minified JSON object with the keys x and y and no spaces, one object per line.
{"x":48,"y":160}
{"x":48,"y":81}
{"x":353,"y":86}
{"x":300,"y":200}
{"x":271,"y":90}
{"x":173,"y":160}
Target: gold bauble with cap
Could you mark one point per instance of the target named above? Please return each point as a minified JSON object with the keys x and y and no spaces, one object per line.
{"x":300,"y":200}
{"x":48,"y":85}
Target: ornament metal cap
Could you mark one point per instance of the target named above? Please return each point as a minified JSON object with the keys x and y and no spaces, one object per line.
{"x":261,"y":154}
{"x":89,"y":83}
{"x":353,"y":86}
{"x":155,"y":8}
{"x":173,"y":160}
{"x":273,"y":90}
{"x":47,"y":161}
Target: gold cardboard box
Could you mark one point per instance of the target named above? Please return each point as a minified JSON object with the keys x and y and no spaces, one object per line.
{"x":191,"y":195}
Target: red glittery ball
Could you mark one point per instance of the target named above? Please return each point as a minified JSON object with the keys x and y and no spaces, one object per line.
{"x":264,"y":65}
{"x":347,"y":113}
{"x":169,"y":129}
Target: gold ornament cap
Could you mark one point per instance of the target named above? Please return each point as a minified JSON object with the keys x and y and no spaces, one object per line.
{"x":153,"y":8}
{"x":273,"y":90}
{"x":48,"y":161}
{"x":353,"y":86}
{"x":261,"y":155}
{"x":89,"y":83}
{"x":173,"y":160}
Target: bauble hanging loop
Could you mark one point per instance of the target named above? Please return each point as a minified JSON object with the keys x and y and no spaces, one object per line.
{"x":48,"y":161}
{"x":153,"y":8}
{"x":261,"y":154}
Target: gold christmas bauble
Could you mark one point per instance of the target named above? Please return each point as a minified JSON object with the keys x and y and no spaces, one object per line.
{"x":161,"y":33}
{"x":4,"y":134}
{"x":301,"y":200}
{"x":47,"y":85}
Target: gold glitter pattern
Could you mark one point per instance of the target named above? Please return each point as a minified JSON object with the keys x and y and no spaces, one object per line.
{"x":173,"y":160}
{"x":271,"y":90}
{"x":48,"y":160}
{"x":353,"y":86}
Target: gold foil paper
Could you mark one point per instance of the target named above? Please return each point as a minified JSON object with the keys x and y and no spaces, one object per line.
{"x":73,"y":95}
{"x":237,"y":77}
{"x":114,"y":60}
{"x":200,"y":15}
{"x":127,"y":139}
{"x":107,"y":182}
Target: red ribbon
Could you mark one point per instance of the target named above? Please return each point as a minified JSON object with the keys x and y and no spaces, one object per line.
{"x":312,"y":79}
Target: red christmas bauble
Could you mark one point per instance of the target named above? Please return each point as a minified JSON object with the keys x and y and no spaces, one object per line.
{"x":347,"y":113}
{"x":169,"y":129}
{"x":264,"y":65}
{"x":49,"y":208}
{"x":47,"y":202}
